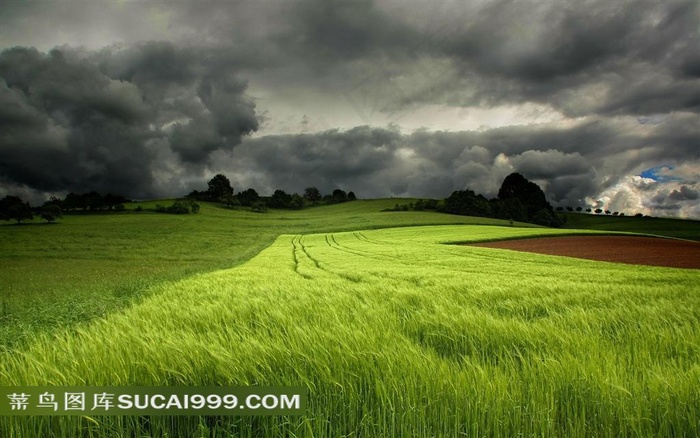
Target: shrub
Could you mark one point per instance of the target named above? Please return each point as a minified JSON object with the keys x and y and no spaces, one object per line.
{"x":259,"y":207}
{"x":51,"y":212}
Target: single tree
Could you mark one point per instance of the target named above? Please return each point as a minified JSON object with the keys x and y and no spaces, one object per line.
{"x":219,"y":187}
{"x":51,"y":212}
{"x":528,"y":193}
{"x":5,"y":204}
{"x":351,"y":196}
{"x":20,"y":212}
{"x":297,"y":202}
{"x":248,"y":197}
{"x":280,"y":199}
{"x":578,"y":209}
{"x":313,"y":195}
{"x":339,"y":195}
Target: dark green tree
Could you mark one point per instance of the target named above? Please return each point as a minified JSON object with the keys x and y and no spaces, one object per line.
{"x":248,"y":198}
{"x":528,"y":193}
{"x":339,"y":195}
{"x":468,"y":203}
{"x":51,"y":212}
{"x":313,"y":195}
{"x":509,"y":209}
{"x":219,"y":187}
{"x":280,"y":199}
{"x":259,"y":206}
{"x":94,"y":201}
{"x":230,"y":201}
{"x":5,"y":204}
{"x":19,"y":212}
{"x":297,"y":202}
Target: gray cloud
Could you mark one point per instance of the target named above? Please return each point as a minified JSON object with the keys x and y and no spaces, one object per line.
{"x":571,"y":164}
{"x":150,"y":98}
{"x":76,"y":121}
{"x":684,"y":193}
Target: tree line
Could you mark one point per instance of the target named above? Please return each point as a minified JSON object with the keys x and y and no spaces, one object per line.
{"x":518,"y":200}
{"x":219,"y":190}
{"x":14,"y":208}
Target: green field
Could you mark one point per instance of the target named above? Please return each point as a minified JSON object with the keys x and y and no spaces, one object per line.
{"x":393,"y":332}
{"x":53,"y":276}
{"x":678,"y":228}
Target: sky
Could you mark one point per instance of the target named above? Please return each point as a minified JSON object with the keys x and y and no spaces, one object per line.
{"x":598,"y":102}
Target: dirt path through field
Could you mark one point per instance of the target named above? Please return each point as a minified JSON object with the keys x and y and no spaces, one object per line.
{"x":622,"y":249}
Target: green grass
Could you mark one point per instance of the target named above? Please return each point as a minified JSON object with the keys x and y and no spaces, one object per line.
{"x":88,"y":266}
{"x":396,"y":334}
{"x":678,"y":228}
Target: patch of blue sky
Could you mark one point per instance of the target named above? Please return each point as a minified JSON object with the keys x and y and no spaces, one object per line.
{"x":663,"y":173}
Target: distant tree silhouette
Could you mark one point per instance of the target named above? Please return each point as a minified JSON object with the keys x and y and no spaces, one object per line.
{"x":248,"y":197}
{"x":578,"y":209}
{"x":112,"y":202}
{"x":531,"y":196}
{"x":528,"y":193}
{"x":183,"y":206}
{"x":280,"y":199}
{"x":219,"y":187}
{"x":468,"y":203}
{"x":229,"y":201}
{"x":5,"y":204}
{"x":259,"y":206}
{"x":20,"y":212}
{"x":339,"y":196}
{"x":313,"y":195}
{"x":297,"y":202}
{"x":351,"y":196}
{"x":51,"y":212}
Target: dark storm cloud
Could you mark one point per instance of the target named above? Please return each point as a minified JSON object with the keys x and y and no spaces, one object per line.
{"x":328,"y":160}
{"x":344,"y":31}
{"x":685,"y":193}
{"x":604,"y":57}
{"x":77,"y":121}
{"x":159,"y":97}
{"x":570,"y":164}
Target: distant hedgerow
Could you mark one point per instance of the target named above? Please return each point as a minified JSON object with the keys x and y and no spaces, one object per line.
{"x":179,"y":207}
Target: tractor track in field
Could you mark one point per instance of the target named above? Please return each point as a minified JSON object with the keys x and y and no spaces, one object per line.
{"x":361,"y":253}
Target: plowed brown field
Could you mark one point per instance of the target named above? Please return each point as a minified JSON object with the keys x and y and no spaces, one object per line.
{"x":622,"y":249}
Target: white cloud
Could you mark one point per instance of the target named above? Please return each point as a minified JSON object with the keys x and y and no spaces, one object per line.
{"x":635,"y":194}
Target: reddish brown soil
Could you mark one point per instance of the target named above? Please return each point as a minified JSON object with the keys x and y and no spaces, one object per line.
{"x":621,"y":249}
